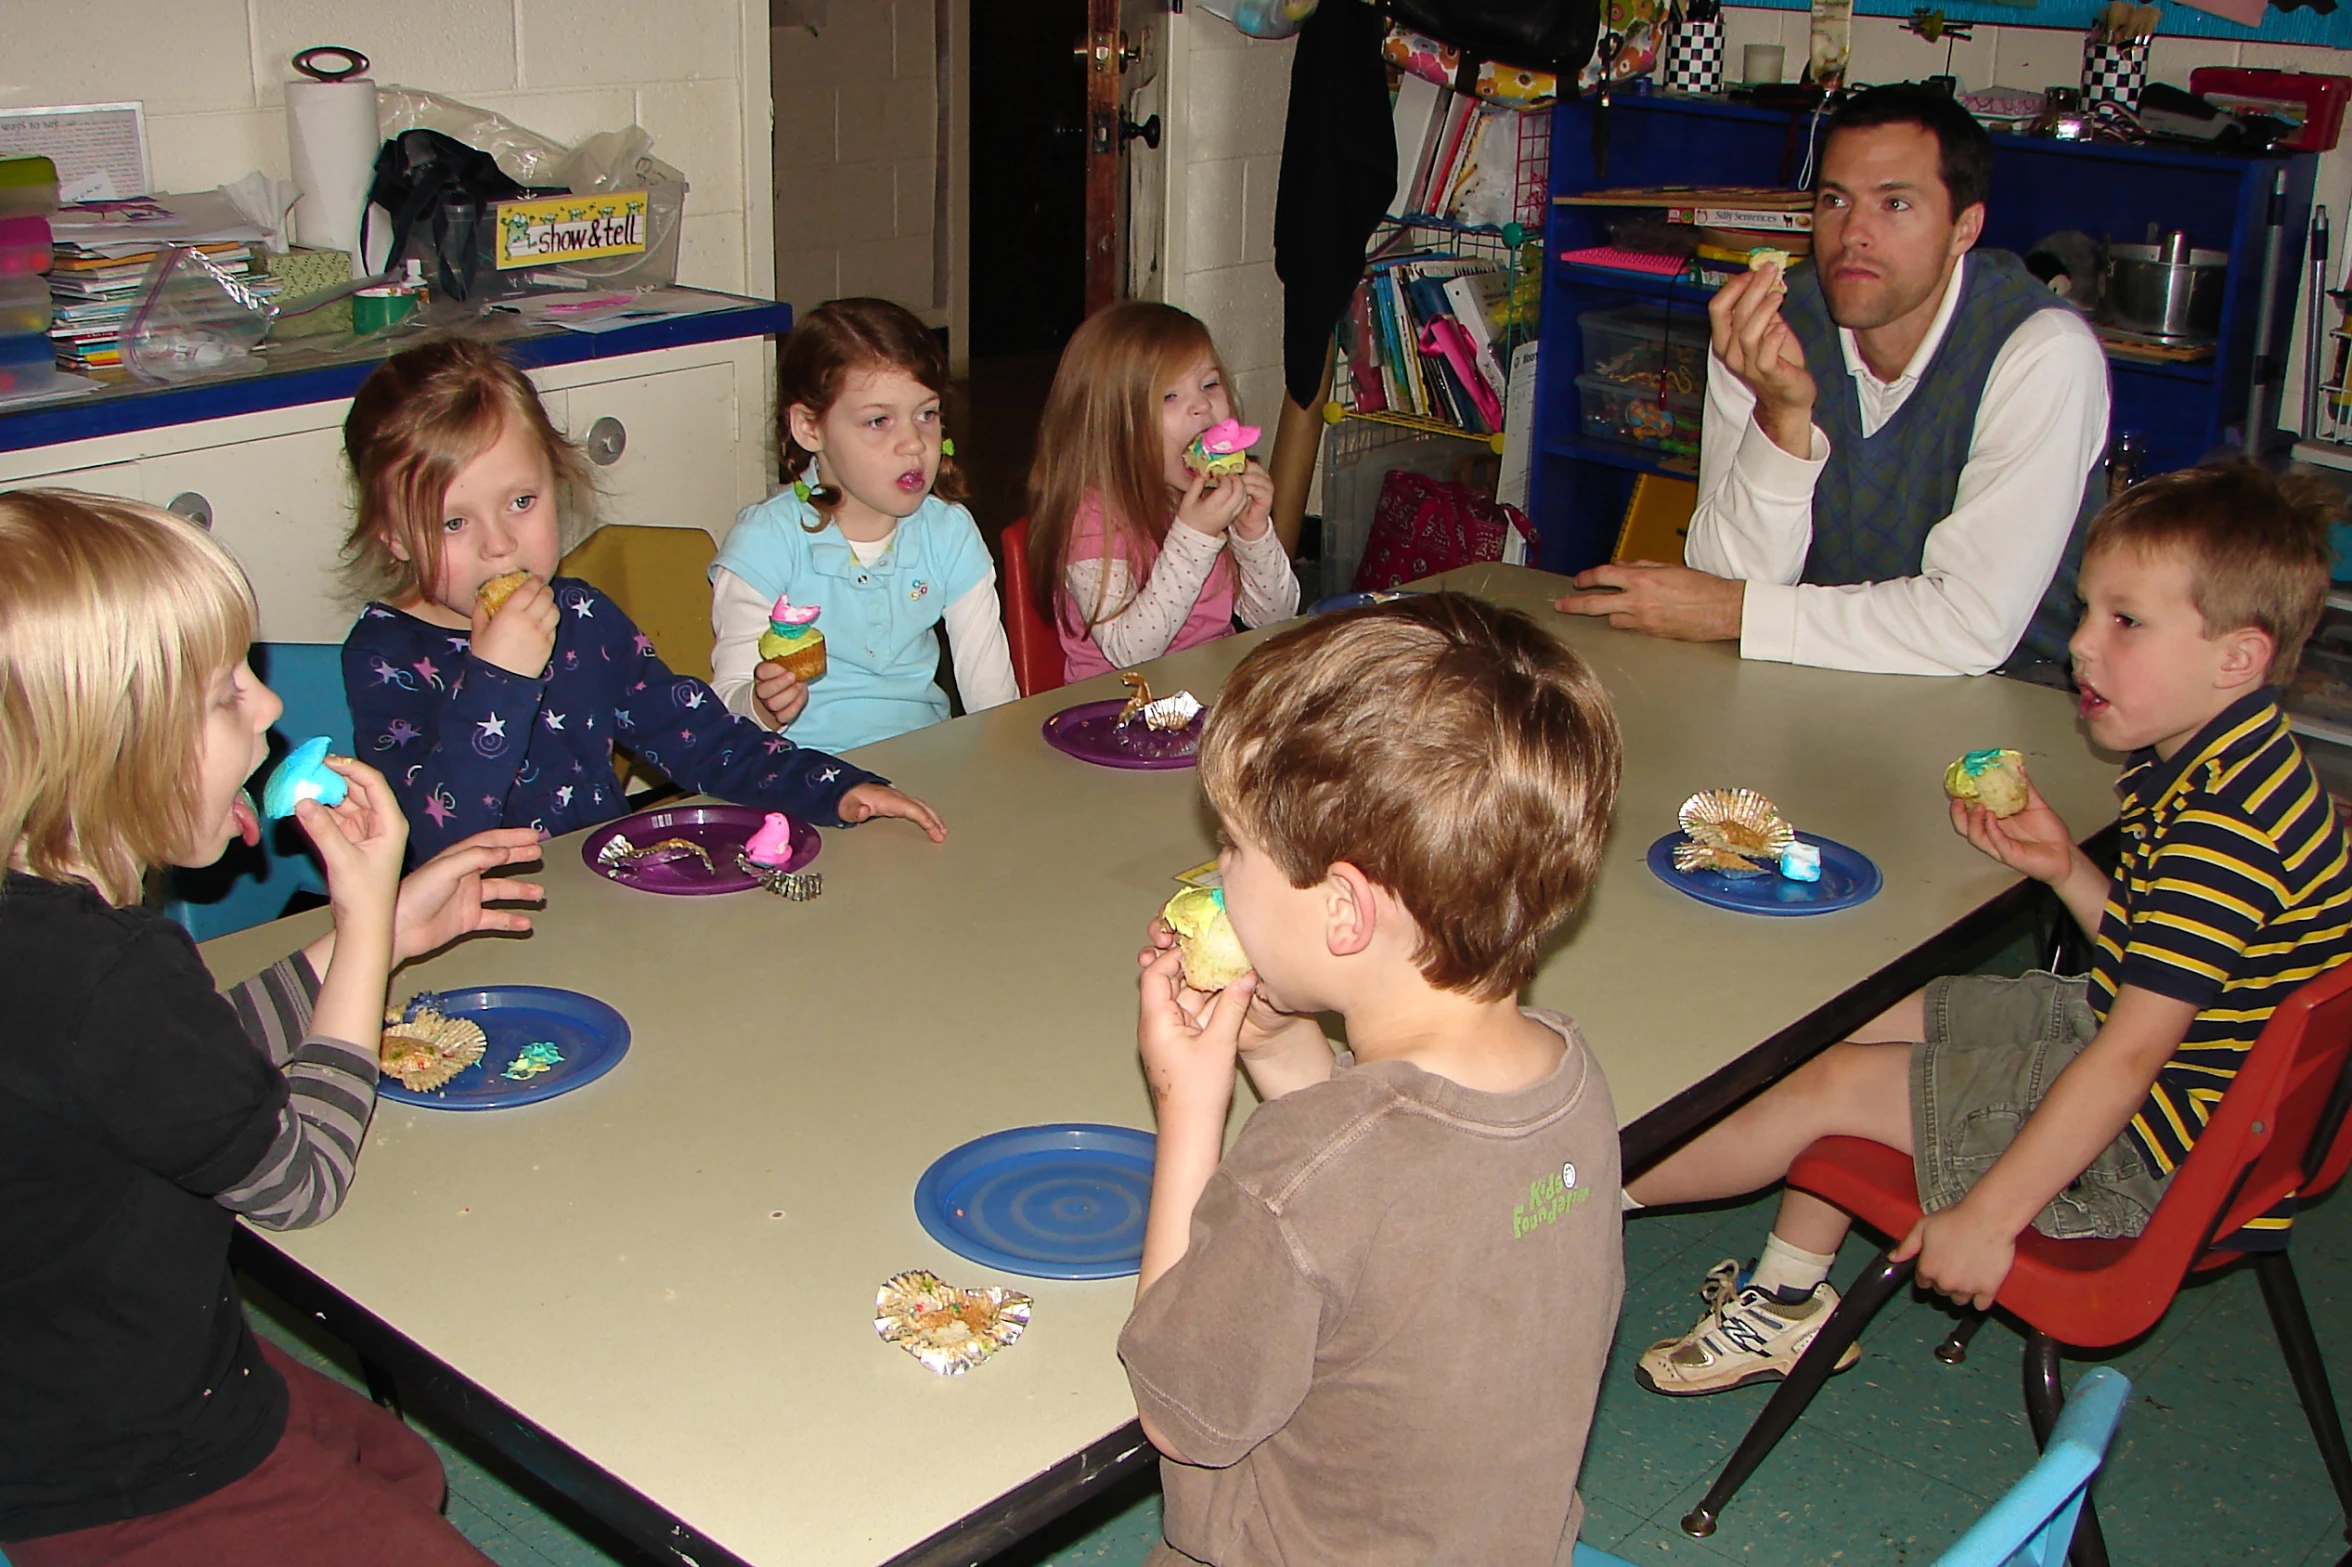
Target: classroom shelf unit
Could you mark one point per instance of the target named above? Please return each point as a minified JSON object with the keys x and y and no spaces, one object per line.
{"x":1580,"y":485}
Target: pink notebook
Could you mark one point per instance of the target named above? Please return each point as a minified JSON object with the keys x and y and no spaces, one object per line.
{"x":1646,"y":261}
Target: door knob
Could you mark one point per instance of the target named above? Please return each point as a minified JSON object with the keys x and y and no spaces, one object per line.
{"x":1149,"y":130}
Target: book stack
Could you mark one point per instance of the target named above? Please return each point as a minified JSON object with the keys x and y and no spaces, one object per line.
{"x":1426,"y":337}
{"x":28,"y":194}
{"x":103,"y":251}
{"x":1457,"y":157}
{"x":1710,"y":229}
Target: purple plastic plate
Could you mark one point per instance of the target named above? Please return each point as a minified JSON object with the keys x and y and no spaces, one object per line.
{"x":721,"y":829}
{"x":1089,"y":732}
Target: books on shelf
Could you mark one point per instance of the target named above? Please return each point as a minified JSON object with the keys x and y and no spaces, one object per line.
{"x":1448,"y":146}
{"x":1424,"y":336}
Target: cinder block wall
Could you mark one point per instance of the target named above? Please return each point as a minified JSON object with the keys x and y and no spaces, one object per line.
{"x":693,"y":72}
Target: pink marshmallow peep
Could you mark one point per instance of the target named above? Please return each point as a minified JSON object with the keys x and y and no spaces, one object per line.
{"x":772,"y":844}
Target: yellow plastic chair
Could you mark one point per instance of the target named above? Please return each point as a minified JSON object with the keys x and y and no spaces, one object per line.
{"x":661,"y":579}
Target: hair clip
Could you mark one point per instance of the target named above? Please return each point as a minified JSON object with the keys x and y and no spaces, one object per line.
{"x":801,"y":489}
{"x":946,"y":446}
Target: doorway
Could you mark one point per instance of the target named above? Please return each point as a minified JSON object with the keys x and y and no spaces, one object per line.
{"x":1028,"y":236}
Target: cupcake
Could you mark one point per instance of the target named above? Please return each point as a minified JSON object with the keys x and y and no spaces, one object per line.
{"x":1222,"y":448}
{"x":1212,"y":954}
{"x":1993,"y":778}
{"x":424,"y":1049}
{"x":492,"y":595}
{"x":793,"y":640}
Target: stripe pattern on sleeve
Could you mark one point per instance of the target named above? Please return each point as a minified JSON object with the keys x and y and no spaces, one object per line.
{"x":331,"y":1093}
{"x":2234,"y":888}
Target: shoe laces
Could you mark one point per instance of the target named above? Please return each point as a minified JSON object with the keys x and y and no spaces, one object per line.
{"x":1721,"y":1291}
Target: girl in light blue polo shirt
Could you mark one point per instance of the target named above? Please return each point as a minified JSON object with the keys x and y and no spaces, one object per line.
{"x":868,"y":535}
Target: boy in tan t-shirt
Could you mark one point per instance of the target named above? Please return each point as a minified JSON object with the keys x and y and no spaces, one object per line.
{"x":1373,"y":1333}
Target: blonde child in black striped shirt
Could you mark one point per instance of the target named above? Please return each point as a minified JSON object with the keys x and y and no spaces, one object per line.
{"x":140,"y":1111}
{"x":2065,"y":1104}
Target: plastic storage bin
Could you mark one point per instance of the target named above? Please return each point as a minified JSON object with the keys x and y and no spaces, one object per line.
{"x":24,"y":246}
{"x":1631,"y":415}
{"x":1636,"y":342}
{"x":24,"y":303}
{"x":2322,"y":690}
{"x":28,"y":187}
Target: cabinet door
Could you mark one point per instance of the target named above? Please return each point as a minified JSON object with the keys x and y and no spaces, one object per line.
{"x":120,"y":479}
{"x":281,"y":507}
{"x":677,"y":433}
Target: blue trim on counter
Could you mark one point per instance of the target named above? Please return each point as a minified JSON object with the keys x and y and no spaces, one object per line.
{"x":56,"y":423}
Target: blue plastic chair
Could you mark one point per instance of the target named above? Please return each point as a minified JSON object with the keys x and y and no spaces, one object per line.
{"x":252,"y":886}
{"x":2033,"y":1525}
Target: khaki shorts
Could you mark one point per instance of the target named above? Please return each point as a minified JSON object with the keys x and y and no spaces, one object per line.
{"x":1993,"y":1048}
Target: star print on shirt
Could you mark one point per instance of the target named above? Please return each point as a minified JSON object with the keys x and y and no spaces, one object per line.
{"x":644,"y":643}
{"x":621,"y":717}
{"x":828,"y":775}
{"x":563,"y":796}
{"x":439,"y":811}
{"x":554,"y":722}
{"x":778,"y":745}
{"x":378,"y":612}
{"x":493,"y":725}
{"x":424,"y":667}
{"x":585,"y":610}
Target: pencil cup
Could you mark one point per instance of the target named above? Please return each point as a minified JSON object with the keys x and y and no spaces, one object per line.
{"x":2114,"y":73}
{"x":1694,"y":57}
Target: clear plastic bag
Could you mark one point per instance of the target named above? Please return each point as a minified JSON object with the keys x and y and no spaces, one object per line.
{"x":525,"y":156}
{"x":193,"y":319}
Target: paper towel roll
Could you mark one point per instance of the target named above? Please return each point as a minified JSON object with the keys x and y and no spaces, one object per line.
{"x":331,"y":128}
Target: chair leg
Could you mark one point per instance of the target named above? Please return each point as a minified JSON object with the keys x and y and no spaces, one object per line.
{"x":2301,"y":1347}
{"x":2045,"y":1396}
{"x":1953,"y":1350}
{"x":1878,"y":1283}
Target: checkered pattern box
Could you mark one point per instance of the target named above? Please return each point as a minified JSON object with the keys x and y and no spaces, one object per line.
{"x":2114,"y":73}
{"x":1694,"y":57}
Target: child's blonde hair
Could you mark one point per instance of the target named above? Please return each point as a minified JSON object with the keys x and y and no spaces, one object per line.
{"x":2256,"y":546}
{"x":836,"y":338}
{"x":414,"y":425}
{"x":115,"y":621}
{"x":1454,"y":752}
{"x":1100,"y":435}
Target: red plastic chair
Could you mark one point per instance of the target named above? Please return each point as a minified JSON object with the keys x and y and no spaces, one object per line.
{"x":2278,"y":1132}
{"x":1037,"y":652}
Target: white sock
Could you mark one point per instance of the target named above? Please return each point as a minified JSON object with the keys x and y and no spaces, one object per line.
{"x":1786,"y":1267}
{"x":1625,"y":1202}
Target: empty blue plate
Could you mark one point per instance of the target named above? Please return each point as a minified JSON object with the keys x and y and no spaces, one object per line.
{"x":1050,"y":1202}
{"x":1848,"y":877}
{"x":590,"y":1036}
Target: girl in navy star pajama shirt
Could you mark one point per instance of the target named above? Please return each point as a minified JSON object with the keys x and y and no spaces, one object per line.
{"x":483,"y":719}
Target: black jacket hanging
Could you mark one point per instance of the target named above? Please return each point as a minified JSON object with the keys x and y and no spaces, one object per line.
{"x":1339,"y":171}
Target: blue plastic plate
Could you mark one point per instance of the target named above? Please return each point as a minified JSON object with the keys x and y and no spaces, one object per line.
{"x":1050,"y":1202}
{"x":1848,"y":877}
{"x":1357,"y":600}
{"x":591,"y":1036}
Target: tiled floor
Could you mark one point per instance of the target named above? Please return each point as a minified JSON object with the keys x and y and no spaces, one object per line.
{"x":2213,"y":1463}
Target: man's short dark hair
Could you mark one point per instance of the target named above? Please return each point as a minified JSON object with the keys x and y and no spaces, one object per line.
{"x":1964,"y":152}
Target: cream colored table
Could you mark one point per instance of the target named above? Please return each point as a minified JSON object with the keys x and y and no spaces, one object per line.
{"x":656,"y":1291}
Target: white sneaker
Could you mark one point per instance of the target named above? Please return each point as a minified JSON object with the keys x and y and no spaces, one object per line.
{"x":1748,"y":1335}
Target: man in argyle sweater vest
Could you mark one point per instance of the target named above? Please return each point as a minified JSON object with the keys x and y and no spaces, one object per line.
{"x":1903,"y":439}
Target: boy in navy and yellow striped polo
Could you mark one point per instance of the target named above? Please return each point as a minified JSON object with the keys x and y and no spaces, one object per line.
{"x":2066,"y":1104}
